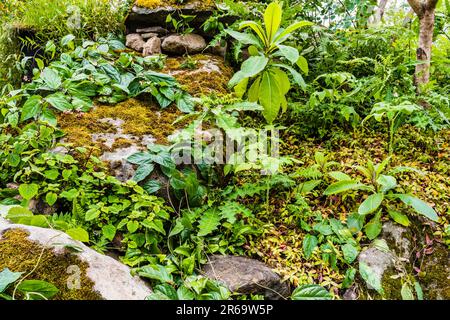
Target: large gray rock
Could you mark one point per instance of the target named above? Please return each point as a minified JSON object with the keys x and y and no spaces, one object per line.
{"x":141,"y":17}
{"x":246,"y":276}
{"x":155,"y":30}
{"x":152,"y":46}
{"x":412,"y":250}
{"x":112,"y":279}
{"x":135,"y":42}
{"x":182,"y":44}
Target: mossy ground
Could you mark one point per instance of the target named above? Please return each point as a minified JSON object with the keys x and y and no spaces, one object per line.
{"x":152,"y":4}
{"x":201,"y":81}
{"x":19,"y":254}
{"x":139,"y":118}
{"x":281,"y":244}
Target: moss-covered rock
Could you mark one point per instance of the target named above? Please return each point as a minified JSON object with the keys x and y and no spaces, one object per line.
{"x":208,"y":73}
{"x":78,"y":272}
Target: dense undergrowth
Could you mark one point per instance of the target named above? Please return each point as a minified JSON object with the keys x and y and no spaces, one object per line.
{"x":359,"y":146}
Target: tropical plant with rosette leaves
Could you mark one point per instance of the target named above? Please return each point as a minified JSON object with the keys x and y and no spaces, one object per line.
{"x":263,"y":76}
{"x":383,"y":196}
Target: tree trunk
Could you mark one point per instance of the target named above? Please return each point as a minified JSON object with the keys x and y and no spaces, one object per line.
{"x":425,"y":10}
{"x":424,"y":49}
{"x":380,"y":11}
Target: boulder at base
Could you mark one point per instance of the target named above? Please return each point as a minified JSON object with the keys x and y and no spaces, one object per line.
{"x":246,"y":276}
{"x":405,"y":253}
{"x":79,"y":272}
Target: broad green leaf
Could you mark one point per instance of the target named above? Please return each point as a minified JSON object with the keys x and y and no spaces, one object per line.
{"x":37,"y":289}
{"x":109,"y":232}
{"x":31,"y":108}
{"x":419,"y":206}
{"x":241,"y":88}
{"x":156,"y":225}
{"x":350,"y":252}
{"x":406,"y":292}
{"x":28,"y":191}
{"x":51,"y":198}
{"x":51,"y":78}
{"x":270,"y":96}
{"x":349,"y":278}
{"x":400,"y":218}
{"x":286,"y":32}
{"x":155,"y":272}
{"x":340,"y":176}
{"x":373,"y":227}
{"x":257,"y":28}
{"x":140,"y":158}
{"x":132,"y":226}
{"x":272,"y":19}
{"x":143,"y":171}
{"x":343,"y":186}
{"x":387,"y":183}
{"x":92,"y":214}
{"x":302,"y":63}
{"x":250,"y":67}
{"x":311,"y":292}
{"x":7,"y":278}
{"x":253,"y":92}
{"x":19,"y":215}
{"x":355,"y":222}
{"x":371,"y":204}
{"x":417,"y":286}
{"x":308,"y":186}
{"x":59,"y":101}
{"x":309,"y":244}
{"x":283,"y":80}
{"x":78,"y":234}
{"x":289,"y":53}
{"x":244,"y":38}
{"x":297,"y":76}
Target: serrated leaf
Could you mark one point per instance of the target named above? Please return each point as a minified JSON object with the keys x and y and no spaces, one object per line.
{"x":208,"y":223}
{"x":28,"y":191}
{"x":350,"y":252}
{"x":309,"y":244}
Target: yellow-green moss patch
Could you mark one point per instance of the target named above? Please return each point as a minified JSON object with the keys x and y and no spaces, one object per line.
{"x":152,"y":4}
{"x":211,"y":76}
{"x":139,"y":118}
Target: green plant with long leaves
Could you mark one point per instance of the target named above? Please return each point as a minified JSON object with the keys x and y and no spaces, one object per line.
{"x":382,"y":186}
{"x":263,"y":76}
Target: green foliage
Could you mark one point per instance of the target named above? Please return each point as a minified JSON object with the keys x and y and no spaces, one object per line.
{"x":270,"y":83}
{"x":310,"y":292}
{"x":28,"y":289}
{"x":395,"y":114}
{"x":384,"y":192}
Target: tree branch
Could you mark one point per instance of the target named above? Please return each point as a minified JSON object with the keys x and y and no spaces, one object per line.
{"x":416,"y":5}
{"x":431,"y":4}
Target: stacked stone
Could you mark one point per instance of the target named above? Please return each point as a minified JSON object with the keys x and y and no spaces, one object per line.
{"x":156,"y":40}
